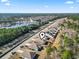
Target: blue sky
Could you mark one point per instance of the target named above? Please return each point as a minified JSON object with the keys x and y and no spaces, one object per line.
{"x":39,"y":6}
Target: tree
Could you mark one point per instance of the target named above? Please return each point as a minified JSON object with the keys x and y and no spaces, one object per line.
{"x":66,"y":54}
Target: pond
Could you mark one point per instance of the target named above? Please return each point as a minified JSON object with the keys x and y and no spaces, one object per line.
{"x":15,"y":24}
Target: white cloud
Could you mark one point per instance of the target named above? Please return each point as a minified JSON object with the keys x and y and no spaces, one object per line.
{"x":46,"y":6}
{"x":69,"y":2}
{"x":72,"y":7}
{"x":4,"y":0}
{"x":7,"y":4}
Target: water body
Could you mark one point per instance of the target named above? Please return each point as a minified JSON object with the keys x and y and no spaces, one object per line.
{"x":9,"y":15}
{"x":12,"y":23}
{"x":17,"y":24}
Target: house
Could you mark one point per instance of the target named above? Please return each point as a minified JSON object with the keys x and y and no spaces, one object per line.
{"x":31,"y":45}
{"x":49,"y":35}
{"x":39,"y":43}
{"x":23,"y":54}
{"x":46,"y":35}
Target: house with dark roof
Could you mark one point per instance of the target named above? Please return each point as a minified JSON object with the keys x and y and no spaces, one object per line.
{"x":23,"y":54}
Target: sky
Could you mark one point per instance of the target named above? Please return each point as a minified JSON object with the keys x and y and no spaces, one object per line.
{"x":39,"y":6}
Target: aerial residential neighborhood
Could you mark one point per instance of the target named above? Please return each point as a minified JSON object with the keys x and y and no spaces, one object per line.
{"x":39,"y":29}
{"x":41,"y":40}
{"x":35,"y":44}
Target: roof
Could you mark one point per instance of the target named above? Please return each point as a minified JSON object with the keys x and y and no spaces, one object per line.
{"x":20,"y":51}
{"x":25,"y":53}
{"x":32,"y":45}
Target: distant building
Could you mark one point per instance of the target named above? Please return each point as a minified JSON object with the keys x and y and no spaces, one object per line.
{"x":31,"y":20}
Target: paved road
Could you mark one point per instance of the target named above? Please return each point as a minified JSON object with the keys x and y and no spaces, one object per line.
{"x":56,"y":23}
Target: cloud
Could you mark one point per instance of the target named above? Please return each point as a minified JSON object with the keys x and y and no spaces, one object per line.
{"x":46,"y":6}
{"x":69,"y":2}
{"x":4,"y":0}
{"x":7,"y":4}
{"x":72,"y":7}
